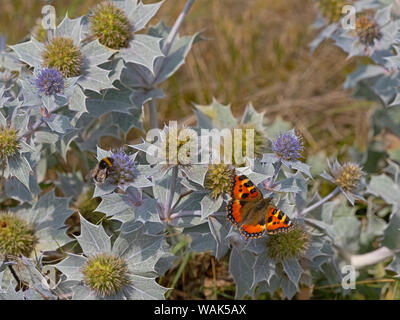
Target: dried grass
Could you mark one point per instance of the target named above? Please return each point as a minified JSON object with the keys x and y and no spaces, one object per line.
{"x":257,"y":50}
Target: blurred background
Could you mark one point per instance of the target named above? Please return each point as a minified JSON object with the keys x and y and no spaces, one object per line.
{"x":256,"y":51}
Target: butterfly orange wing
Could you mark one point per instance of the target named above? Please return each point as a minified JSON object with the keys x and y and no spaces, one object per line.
{"x":278,"y":221}
{"x":233,"y":211}
{"x":244,"y":189}
{"x":252,"y":231}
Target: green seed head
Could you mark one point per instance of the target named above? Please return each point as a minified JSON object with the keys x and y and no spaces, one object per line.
{"x":62,"y":54}
{"x":332,"y":9}
{"x":219,"y":179}
{"x":349,"y":176}
{"x":111,"y":26}
{"x":293,"y":244}
{"x":9,"y":144}
{"x":17,"y":237}
{"x":105,"y":274}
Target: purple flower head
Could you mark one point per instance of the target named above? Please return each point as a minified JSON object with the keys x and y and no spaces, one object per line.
{"x":124,"y":169}
{"x":288,"y":146}
{"x":50,"y":82}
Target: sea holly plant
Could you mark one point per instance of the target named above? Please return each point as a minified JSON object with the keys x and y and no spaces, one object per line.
{"x":31,"y":232}
{"x":70,"y":55}
{"x":116,"y":23}
{"x":332,"y":15}
{"x":125,"y":269}
{"x":374,"y":31}
{"x":98,"y":202}
{"x":16,"y":150}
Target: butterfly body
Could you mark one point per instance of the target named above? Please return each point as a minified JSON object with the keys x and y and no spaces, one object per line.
{"x":253,"y":214}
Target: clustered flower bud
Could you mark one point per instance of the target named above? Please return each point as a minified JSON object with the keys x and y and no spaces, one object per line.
{"x":50,"y":82}
{"x":105,"y":274}
{"x":348,"y":176}
{"x":123,"y":169}
{"x":111,"y":26}
{"x":62,"y":54}
{"x":219,"y":179}
{"x":293,"y":244}
{"x":9,"y":142}
{"x":288,"y":146}
{"x":332,"y":9}
{"x":17,"y":237}
{"x":367,"y":29}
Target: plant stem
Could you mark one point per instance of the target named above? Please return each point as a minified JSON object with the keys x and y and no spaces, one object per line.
{"x":181,"y":196}
{"x":182,"y":266}
{"x":172,"y":190}
{"x":362,"y":260}
{"x":174,"y":31}
{"x":170,"y":39}
{"x":3,"y":169}
{"x":153,"y":114}
{"x":367,"y":281}
{"x":38,"y":123}
{"x":184,"y":215}
{"x":166,"y":49}
{"x":320,"y":202}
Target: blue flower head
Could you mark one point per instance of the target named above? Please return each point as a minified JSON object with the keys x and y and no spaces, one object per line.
{"x":288,"y":146}
{"x":50,"y":82}
{"x":124,"y":169}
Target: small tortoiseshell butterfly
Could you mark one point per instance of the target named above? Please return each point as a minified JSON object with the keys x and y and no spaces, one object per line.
{"x":252,"y":213}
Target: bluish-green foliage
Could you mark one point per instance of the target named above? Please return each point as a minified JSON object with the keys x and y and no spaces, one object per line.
{"x":125,"y":241}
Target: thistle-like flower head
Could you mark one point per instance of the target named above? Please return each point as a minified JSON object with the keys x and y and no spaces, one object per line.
{"x":50,"y":82}
{"x":293,"y":244}
{"x":17,"y":237}
{"x":62,"y":54}
{"x":9,"y":142}
{"x":348,"y":176}
{"x":111,"y":26}
{"x":123,"y":170}
{"x":105,"y":274}
{"x":288,"y":146}
{"x":368,"y":30}
{"x":219,"y":179}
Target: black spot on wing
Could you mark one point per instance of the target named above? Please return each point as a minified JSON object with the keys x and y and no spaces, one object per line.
{"x":287,"y":220}
{"x":248,"y":184}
